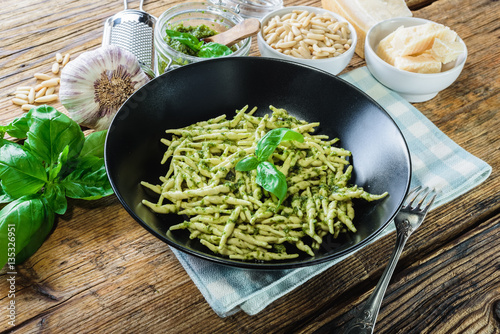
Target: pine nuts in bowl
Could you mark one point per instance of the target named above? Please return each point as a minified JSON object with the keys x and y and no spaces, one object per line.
{"x":308,"y":35}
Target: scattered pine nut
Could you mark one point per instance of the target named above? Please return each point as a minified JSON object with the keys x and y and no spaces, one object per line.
{"x":50,"y":83}
{"x":45,"y":91}
{"x":31,"y":96}
{"x":47,"y":98}
{"x":42,"y":76}
{"x":27,"y":107}
{"x":50,"y":90}
{"x":55,"y":68}
{"x":22,"y":96}
{"x":41,"y":92}
{"x":19,"y":101}
{"x":66,"y":59}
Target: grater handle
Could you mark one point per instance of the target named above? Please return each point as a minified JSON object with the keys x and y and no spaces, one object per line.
{"x":125,"y":4}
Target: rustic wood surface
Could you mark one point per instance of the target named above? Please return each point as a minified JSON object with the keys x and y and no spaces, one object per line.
{"x":100,"y":272}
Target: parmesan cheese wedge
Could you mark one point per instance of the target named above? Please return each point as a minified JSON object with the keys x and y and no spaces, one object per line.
{"x":422,"y":63}
{"x":446,"y":52}
{"x":363,"y":14}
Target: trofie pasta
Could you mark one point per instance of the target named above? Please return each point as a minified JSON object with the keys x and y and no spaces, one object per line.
{"x":230,"y":213}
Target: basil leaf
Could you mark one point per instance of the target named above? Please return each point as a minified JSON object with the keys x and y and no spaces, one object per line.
{"x":94,"y":144}
{"x":43,"y":112}
{"x":50,"y":131}
{"x":56,"y":198}
{"x":21,"y":172}
{"x":271,"y":179}
{"x":88,"y":181}
{"x":213,"y":50}
{"x":6,"y":142}
{"x":3,"y":130}
{"x":19,"y":127}
{"x":246,"y":164}
{"x":19,"y":221}
{"x":268,"y":143}
{"x":4,"y":197}
{"x":61,"y":160}
{"x":37,"y":239}
{"x":187,"y":39}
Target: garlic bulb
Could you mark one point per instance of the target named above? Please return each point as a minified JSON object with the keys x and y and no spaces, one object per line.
{"x":97,"y":83}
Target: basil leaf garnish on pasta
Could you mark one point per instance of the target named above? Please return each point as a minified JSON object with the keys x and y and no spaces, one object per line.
{"x":268,"y":177}
{"x":271,"y":179}
{"x":268,"y":143}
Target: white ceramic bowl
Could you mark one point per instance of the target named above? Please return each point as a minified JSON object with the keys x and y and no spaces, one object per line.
{"x":414,"y":87}
{"x":333,"y":65}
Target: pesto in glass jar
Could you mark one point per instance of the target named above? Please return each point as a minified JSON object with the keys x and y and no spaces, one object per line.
{"x":201,"y":31}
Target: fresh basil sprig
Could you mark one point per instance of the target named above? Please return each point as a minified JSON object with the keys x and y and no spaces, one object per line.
{"x":204,"y":50}
{"x":268,"y":176}
{"x":56,"y":161}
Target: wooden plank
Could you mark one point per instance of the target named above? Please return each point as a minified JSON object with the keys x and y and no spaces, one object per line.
{"x":455,"y":289}
{"x":101,"y":272}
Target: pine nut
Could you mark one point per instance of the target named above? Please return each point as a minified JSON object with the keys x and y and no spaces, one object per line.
{"x":28,"y":107}
{"x":23,"y":88}
{"x":42,"y":76}
{"x":66,"y":59}
{"x":55,"y":68}
{"x":50,"y":82}
{"x":22,"y":96}
{"x":19,"y":101}
{"x":50,"y":90}
{"x":41,"y":92}
{"x":31,"y":96}
{"x":59,"y":57}
{"x":47,"y":98}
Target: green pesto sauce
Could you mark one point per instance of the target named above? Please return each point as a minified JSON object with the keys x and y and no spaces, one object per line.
{"x":201,"y":31}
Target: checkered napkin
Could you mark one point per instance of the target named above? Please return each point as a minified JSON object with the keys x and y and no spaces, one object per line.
{"x":436,"y":162}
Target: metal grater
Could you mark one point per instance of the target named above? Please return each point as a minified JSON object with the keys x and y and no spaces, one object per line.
{"x":133,"y":30}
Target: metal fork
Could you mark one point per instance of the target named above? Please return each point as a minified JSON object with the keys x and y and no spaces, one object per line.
{"x":407,"y":220}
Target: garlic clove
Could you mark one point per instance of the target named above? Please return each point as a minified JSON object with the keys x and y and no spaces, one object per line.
{"x":97,"y":83}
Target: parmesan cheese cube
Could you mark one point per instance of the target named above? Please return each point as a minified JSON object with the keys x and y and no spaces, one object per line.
{"x":417,"y":39}
{"x":446,"y":52}
{"x":385,"y":50}
{"x":423,"y":63}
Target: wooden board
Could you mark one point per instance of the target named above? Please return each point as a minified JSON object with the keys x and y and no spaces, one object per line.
{"x":100,"y":272}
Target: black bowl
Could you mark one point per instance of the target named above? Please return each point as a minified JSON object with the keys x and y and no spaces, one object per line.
{"x":208,"y":89}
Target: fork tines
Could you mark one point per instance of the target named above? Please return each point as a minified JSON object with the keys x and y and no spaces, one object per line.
{"x":425,"y":192}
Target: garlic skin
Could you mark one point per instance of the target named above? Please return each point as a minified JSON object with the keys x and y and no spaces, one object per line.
{"x":97,"y":83}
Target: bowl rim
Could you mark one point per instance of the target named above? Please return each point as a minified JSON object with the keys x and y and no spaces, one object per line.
{"x":285,"y":10}
{"x":376,"y":58}
{"x":249,"y":265}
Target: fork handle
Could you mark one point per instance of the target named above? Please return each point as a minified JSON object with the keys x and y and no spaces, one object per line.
{"x":365,"y":321}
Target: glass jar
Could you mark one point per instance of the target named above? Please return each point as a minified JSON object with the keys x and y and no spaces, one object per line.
{"x":216,"y":17}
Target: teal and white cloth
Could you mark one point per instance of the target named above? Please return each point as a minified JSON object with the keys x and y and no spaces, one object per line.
{"x":437,"y":162}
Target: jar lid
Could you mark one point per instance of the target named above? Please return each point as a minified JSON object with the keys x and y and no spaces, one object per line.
{"x":250,"y":8}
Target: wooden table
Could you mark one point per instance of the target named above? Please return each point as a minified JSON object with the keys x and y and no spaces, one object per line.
{"x":100,"y":272}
